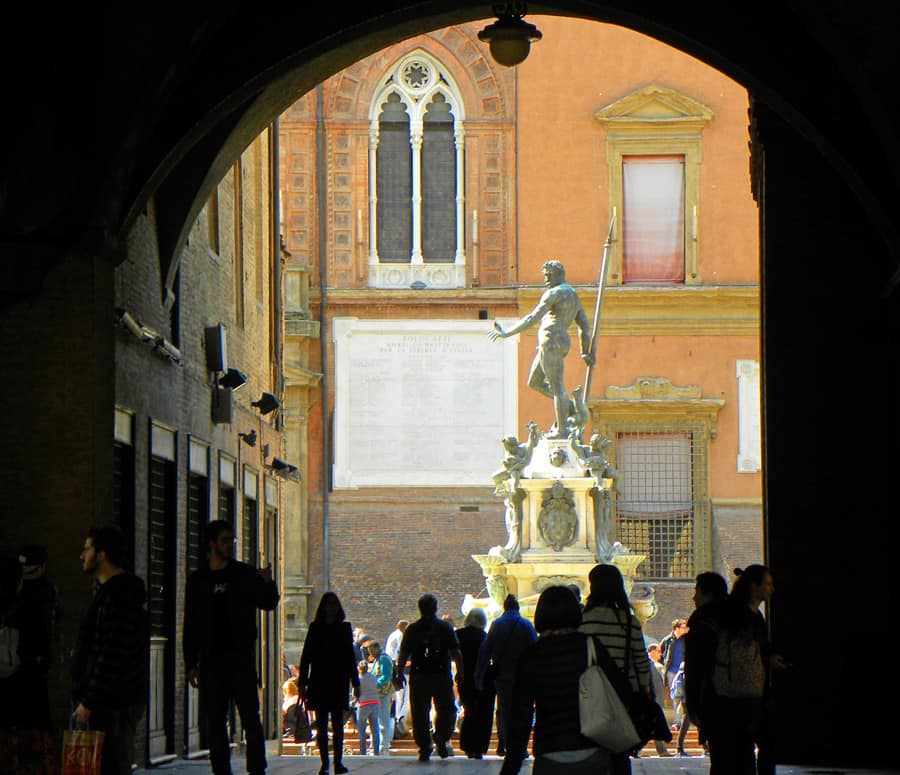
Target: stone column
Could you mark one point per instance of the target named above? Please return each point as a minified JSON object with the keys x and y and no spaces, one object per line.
{"x":415,"y":140}
{"x":300,"y":392}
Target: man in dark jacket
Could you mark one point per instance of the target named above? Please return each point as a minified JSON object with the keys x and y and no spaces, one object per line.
{"x":111,"y":658}
{"x":219,"y":644}
{"x":430,"y":644}
{"x":510,"y":634}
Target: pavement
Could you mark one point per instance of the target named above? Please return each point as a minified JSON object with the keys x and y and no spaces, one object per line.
{"x":460,"y":765}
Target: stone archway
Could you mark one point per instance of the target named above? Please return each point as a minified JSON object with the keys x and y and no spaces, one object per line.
{"x":172,"y":109}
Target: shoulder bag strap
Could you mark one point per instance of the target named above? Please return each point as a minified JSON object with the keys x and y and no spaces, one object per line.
{"x":617,"y":678}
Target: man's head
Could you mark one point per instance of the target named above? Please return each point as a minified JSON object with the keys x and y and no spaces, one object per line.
{"x":554,"y":273}
{"x":709,"y":587}
{"x":104,"y":550}
{"x":654,"y":652}
{"x":428,"y":605}
{"x":679,"y":627}
{"x":510,"y":603}
{"x":219,"y":535}
{"x":402,"y":625}
{"x":33,"y":558}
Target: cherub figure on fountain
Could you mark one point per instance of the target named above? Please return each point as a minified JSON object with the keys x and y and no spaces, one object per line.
{"x":517,"y":457}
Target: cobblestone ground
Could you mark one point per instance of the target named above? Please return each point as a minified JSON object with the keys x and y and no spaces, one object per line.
{"x":460,"y":765}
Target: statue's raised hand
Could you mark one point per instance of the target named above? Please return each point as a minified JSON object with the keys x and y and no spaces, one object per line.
{"x":497,"y":332}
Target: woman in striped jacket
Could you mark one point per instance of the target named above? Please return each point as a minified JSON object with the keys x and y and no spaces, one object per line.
{"x":608,"y":617}
{"x":545,"y":693}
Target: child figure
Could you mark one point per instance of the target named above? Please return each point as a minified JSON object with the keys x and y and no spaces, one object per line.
{"x":368,"y":703}
{"x":517,"y":457}
{"x":290,"y":693}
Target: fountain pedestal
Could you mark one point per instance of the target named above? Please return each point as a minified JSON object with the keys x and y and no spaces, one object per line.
{"x":559,"y":525}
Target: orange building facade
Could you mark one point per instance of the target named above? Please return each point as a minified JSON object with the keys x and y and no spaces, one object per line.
{"x":422,"y":189}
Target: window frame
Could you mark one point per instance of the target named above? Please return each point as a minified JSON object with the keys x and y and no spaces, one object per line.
{"x":656,"y":121}
{"x":655,"y":402}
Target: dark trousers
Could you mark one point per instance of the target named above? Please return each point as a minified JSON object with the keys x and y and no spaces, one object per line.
{"x":118,"y":726}
{"x":425,"y":688}
{"x":475,"y":731}
{"x":731,"y":735}
{"x":218,"y":688}
{"x":504,"y":704}
{"x":765,"y":740}
{"x":337,"y":715}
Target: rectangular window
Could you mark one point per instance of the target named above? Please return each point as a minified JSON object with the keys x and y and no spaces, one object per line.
{"x":238,"y":244}
{"x":212,"y":222}
{"x":656,"y":511}
{"x":653,"y":230}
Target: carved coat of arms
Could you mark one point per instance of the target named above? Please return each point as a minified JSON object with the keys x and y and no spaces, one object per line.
{"x":558,"y":518}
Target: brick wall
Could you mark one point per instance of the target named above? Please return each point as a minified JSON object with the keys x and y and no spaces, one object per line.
{"x":390,"y":546}
{"x":154,"y":388}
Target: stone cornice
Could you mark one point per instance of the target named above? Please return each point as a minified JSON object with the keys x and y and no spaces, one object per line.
{"x":721,"y":310}
{"x":296,"y":375}
{"x":345,"y":301}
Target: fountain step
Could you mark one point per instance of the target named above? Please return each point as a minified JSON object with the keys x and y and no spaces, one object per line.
{"x":406,"y":746}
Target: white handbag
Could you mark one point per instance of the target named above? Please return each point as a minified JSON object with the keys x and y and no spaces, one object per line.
{"x":604,"y":718}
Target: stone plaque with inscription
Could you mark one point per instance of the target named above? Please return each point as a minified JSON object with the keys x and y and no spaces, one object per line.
{"x":420,"y":403}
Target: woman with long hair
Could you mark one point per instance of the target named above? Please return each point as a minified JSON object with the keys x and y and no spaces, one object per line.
{"x":327,"y":670}
{"x":546,"y":690}
{"x":742,"y":661}
{"x":478,"y":705}
{"x":608,"y":618}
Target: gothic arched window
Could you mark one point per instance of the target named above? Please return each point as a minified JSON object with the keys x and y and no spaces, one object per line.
{"x":416,"y":200}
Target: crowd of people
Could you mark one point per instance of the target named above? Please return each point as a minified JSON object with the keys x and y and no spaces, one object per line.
{"x":713,"y":670}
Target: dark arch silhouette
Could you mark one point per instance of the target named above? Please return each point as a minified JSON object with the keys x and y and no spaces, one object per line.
{"x":112,"y":107}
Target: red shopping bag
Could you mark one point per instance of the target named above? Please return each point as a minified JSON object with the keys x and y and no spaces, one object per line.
{"x":82,"y":750}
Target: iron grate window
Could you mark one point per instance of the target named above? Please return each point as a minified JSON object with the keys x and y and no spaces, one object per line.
{"x":250,"y":532}
{"x":197,"y":517}
{"x":661,"y":498}
{"x":162,"y":549}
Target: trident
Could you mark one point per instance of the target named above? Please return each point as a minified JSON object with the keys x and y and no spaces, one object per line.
{"x":610,"y":238}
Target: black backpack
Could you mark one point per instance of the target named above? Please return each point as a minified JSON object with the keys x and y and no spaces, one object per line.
{"x":430,"y":654}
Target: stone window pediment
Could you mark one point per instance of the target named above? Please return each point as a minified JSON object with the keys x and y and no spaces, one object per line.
{"x":654,"y":105}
